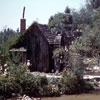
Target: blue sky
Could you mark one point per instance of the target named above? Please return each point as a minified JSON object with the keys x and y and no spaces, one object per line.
{"x":41,"y":10}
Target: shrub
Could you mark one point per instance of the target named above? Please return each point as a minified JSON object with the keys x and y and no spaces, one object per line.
{"x":71,"y":84}
{"x":16,"y":70}
{"x":30,"y":85}
{"x":8,"y":86}
{"x":35,"y":85}
{"x":46,"y":90}
{"x":88,"y":87}
{"x":55,"y":90}
{"x":50,"y":90}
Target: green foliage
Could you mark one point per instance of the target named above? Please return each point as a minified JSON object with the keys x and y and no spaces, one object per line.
{"x":7,"y":34}
{"x":57,"y":52}
{"x":8,"y":86}
{"x":6,"y":46}
{"x":76,"y":65}
{"x":54,"y":22}
{"x":70,"y":60}
{"x":47,"y":90}
{"x":72,"y":79}
{"x":60,"y":22}
{"x":16,"y":57}
{"x":88,"y":44}
{"x":37,"y":86}
{"x":20,"y":81}
{"x":71,"y":84}
{"x":16,"y":70}
{"x":79,"y":20}
{"x":94,"y":3}
{"x":30,"y":85}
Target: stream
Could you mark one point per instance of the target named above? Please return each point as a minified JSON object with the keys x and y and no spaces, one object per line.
{"x":75,"y":97}
{"x":89,"y":96}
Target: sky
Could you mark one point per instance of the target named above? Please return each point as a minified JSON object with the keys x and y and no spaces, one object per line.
{"x":36,"y":10}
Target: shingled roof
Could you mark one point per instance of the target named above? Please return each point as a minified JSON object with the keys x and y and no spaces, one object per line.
{"x":47,"y":33}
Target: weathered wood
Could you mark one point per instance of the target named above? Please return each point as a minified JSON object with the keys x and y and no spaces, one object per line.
{"x":36,"y":40}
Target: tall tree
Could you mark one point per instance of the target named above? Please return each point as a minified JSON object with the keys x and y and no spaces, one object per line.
{"x":61,"y":22}
{"x":94,"y":3}
{"x":7,"y":34}
{"x":89,"y":43}
{"x":82,"y":17}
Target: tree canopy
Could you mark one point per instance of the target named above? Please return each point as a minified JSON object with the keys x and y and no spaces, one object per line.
{"x":7,"y":34}
{"x":94,"y":3}
{"x":88,"y":43}
{"x":61,"y":22}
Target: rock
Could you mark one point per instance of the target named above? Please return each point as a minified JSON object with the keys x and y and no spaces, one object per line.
{"x":34,"y":99}
{"x":15,"y":95}
{"x":38,"y":98}
{"x":26,"y":97}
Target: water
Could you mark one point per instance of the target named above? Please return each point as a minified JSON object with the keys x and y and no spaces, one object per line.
{"x":89,"y":96}
{"x":75,"y":97}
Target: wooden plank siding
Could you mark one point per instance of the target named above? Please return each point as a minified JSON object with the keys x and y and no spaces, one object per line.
{"x":37,"y":40}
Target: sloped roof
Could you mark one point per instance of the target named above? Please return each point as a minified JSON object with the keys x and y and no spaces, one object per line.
{"x":47,"y":33}
{"x":24,"y":38}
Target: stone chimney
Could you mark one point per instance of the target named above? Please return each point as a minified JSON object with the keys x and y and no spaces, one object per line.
{"x":23,"y":23}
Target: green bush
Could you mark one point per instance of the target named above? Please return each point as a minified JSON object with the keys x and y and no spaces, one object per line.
{"x":16,"y":71}
{"x":33,"y":85}
{"x":37,"y":86}
{"x":71,"y":84}
{"x":55,"y":90}
{"x":29,"y":85}
{"x":88,"y":87}
{"x":46,"y":90}
{"x":8,"y":86}
{"x":26,"y":84}
{"x":50,"y":90}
